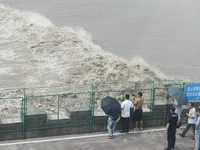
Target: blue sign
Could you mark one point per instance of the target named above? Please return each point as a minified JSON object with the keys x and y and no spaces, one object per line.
{"x":192,"y":91}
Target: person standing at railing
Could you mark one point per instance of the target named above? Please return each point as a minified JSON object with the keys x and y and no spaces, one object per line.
{"x":125,"y":113}
{"x":111,"y":126}
{"x":138,"y":113}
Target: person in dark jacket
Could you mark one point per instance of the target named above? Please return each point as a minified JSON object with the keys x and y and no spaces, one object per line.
{"x":172,"y":122}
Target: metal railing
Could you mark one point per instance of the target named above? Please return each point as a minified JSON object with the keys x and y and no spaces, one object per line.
{"x":17,"y":103}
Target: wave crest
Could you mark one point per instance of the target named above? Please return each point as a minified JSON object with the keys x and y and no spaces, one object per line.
{"x":49,"y":55}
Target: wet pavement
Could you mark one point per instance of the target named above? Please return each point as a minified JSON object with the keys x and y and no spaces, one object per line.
{"x":148,"y":139}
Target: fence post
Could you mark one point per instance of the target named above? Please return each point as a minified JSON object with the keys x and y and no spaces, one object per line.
{"x":167,"y":85}
{"x":24,"y":114}
{"x":58,"y":115}
{"x":152,"y":104}
{"x":165,"y":107}
{"x":91,"y":107}
{"x":122,"y":96}
{"x":183,"y":86}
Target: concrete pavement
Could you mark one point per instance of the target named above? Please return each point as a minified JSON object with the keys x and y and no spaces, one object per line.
{"x":149,"y":139}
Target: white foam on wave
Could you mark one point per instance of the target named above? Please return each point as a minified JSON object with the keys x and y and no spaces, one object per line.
{"x":32,"y":17}
{"x":36,"y":18}
{"x":52,"y":55}
{"x":4,"y":70}
{"x":37,"y":53}
{"x":8,"y":55}
{"x":139,"y":60}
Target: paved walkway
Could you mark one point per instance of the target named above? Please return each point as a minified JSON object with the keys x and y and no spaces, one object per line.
{"x":149,"y":139}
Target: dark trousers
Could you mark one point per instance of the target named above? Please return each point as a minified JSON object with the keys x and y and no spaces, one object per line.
{"x":125,"y":124}
{"x":171,"y":138}
{"x":187,"y":128}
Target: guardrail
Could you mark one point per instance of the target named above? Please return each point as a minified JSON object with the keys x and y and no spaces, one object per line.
{"x":41,"y":108}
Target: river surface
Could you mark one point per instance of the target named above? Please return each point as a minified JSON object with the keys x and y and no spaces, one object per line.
{"x":165,"y":33}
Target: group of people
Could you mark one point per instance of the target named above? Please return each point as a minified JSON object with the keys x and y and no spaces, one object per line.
{"x":173,"y":122}
{"x":126,"y":105}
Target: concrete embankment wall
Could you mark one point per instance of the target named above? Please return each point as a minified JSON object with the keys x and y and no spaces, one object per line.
{"x":37,"y":124}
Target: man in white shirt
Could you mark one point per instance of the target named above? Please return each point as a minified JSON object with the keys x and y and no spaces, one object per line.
{"x":125,"y":113}
{"x":191,"y":120}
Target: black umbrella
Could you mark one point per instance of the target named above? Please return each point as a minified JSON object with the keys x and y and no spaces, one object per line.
{"x":179,"y":95}
{"x":111,"y":106}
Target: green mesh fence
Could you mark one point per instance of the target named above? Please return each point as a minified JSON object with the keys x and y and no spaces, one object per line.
{"x":53,"y":104}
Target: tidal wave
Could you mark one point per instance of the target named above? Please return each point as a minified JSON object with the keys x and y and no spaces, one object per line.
{"x":35,"y":52}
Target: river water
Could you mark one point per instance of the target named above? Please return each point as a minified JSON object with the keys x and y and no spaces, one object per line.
{"x":164,"y":33}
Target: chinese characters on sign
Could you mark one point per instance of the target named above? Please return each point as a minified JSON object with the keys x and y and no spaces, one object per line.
{"x":192,"y":91}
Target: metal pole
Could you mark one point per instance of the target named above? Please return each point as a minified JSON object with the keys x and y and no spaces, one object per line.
{"x":58,"y":97}
{"x":24,"y":114}
{"x":91,"y":107}
{"x":152,"y":104}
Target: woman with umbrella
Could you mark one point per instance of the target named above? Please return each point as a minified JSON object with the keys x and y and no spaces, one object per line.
{"x":180,"y":99}
{"x":111,"y":107}
{"x":178,"y":110}
{"x":111,"y":126}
